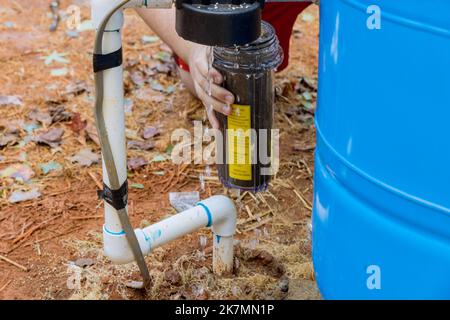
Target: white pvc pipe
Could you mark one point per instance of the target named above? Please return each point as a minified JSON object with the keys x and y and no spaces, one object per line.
{"x":113,"y":103}
{"x":218,"y":212}
{"x":223,"y":254}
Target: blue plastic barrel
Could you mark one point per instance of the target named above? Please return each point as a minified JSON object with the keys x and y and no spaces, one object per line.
{"x":381,"y":217}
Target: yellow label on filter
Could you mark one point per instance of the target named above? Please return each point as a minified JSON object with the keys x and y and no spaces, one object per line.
{"x":239,"y":142}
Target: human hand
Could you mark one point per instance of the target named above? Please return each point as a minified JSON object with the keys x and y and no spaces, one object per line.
{"x":213,"y":96}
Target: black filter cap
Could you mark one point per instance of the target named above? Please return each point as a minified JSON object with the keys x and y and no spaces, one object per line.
{"x":219,"y":22}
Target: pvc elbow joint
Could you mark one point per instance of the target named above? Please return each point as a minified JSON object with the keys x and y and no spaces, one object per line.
{"x":223,"y":214}
{"x":217,"y":212}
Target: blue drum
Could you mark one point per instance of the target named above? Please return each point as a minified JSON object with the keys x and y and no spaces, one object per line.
{"x":381,"y":217}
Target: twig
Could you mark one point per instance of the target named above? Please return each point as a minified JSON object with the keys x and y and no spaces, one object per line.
{"x":253,"y":197}
{"x":17,"y":6}
{"x":257,"y":225}
{"x":182,"y":184}
{"x":303,"y":200}
{"x":257,"y":217}
{"x":206,"y":178}
{"x":60,"y":192}
{"x":305,"y":149}
{"x":288,"y":120}
{"x":94,"y":178}
{"x":53,"y":236}
{"x":32,"y":230}
{"x":182,"y":168}
{"x":5,"y":285}
{"x":261,"y":197}
{"x":249,"y":212}
{"x":131,"y":208}
{"x":38,"y":248}
{"x":85,"y":217}
{"x":303,"y":162}
{"x":168,"y":184}
{"x":13,"y":263}
{"x":272,"y":195}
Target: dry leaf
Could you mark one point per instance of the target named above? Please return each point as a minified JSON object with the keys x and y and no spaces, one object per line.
{"x":85,"y":157}
{"x":20,"y":172}
{"x":140,"y":145}
{"x":42,"y":117}
{"x":77,"y":125}
{"x":50,"y":137}
{"x":8,"y":139}
{"x":59,"y":113}
{"x":92,"y":133}
{"x":19,"y":196}
{"x":10,"y":100}
{"x":136,"y":162}
{"x":150,"y":132}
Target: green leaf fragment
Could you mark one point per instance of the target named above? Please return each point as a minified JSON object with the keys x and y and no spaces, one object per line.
{"x":50,"y":166}
{"x":55,"y":57}
{"x":307,"y":96}
{"x":59,"y":72}
{"x":159,"y":158}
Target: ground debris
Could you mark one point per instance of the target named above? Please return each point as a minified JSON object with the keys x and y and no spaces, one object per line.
{"x":140,"y":145}
{"x":150,"y":132}
{"x":8,"y":139}
{"x":76,"y":88}
{"x":13,"y":263}
{"x":136,"y":162}
{"x":20,"y":172}
{"x":43,"y":117}
{"x":173,"y":277}
{"x":20,"y":196}
{"x":182,"y":201}
{"x":84,"y":262}
{"x":85,"y":157}
{"x":10,"y":100}
{"x":77,"y":125}
{"x":51,"y":137}
{"x":59,"y":113}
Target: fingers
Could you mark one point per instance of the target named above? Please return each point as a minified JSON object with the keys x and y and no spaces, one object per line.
{"x":216,"y":91}
{"x":212,"y":118}
{"x":210,"y":101}
{"x":209,"y":80}
{"x":207,"y":86}
{"x":210,"y":84}
{"x":202,"y":65}
{"x":212,"y":104}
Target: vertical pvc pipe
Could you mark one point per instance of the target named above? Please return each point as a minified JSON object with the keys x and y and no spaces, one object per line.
{"x":114,"y":115}
{"x":223,"y":255}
